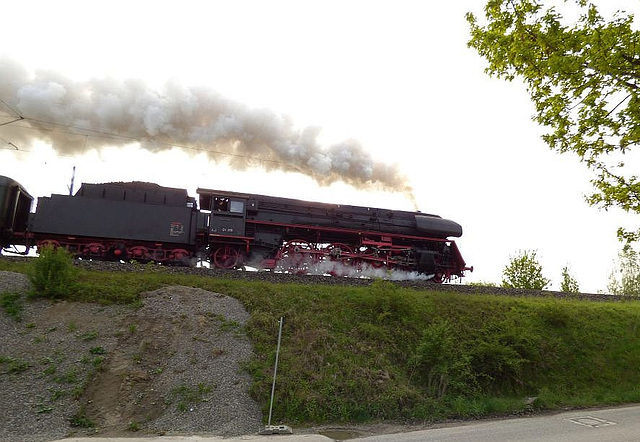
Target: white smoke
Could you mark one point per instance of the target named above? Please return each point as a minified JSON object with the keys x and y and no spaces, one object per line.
{"x":74,"y":116}
{"x":311,"y":266}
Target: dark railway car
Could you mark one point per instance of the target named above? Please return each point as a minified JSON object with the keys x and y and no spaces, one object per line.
{"x":139,"y":221}
{"x":15,"y":204}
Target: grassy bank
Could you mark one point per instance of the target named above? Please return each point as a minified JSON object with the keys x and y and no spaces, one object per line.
{"x":358,"y":354}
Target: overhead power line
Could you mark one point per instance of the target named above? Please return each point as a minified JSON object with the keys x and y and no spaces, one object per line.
{"x":15,"y":111}
{"x":81,"y":131}
{"x":12,"y":121}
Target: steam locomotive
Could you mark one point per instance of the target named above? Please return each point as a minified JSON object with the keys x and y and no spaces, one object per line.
{"x":146,"y":222}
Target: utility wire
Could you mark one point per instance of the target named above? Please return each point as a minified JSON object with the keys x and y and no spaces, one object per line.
{"x":102,"y":134}
{"x":20,"y":117}
{"x":12,"y":121}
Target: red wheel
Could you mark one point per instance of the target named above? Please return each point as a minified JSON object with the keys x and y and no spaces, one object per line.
{"x":179,"y":257}
{"x":340,"y":259}
{"x":93,"y":249}
{"x":139,"y":253}
{"x":178,"y":254}
{"x":296,"y":256}
{"x":441,"y":277}
{"x":226,"y":257}
{"x":338,"y":250}
{"x":52,"y":243}
{"x":297,"y":246}
{"x":371,"y":256}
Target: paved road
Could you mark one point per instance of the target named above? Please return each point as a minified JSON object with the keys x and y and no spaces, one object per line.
{"x":273,"y":438}
{"x":611,"y":425}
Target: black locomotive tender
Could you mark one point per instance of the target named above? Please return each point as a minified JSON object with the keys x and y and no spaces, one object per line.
{"x":147,"y":222}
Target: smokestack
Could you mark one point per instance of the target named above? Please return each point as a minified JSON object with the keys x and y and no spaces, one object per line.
{"x":72,"y":116}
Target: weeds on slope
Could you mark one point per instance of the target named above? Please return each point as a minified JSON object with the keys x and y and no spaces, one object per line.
{"x":381,"y":352}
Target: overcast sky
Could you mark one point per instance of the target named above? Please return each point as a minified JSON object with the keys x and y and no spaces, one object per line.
{"x":385,"y":84}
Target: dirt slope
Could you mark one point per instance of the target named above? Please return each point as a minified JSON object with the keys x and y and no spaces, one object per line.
{"x":171,"y":366}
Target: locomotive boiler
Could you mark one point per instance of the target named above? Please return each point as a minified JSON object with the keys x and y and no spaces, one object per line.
{"x":147,"y":222}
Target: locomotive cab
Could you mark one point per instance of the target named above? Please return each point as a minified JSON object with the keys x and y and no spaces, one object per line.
{"x":227,"y":213}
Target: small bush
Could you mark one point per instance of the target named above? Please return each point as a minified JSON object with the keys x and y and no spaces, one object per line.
{"x":440,"y":364}
{"x":81,"y":420}
{"x":97,"y":350}
{"x":13,"y":366}
{"x":524,"y":272}
{"x":52,"y":273}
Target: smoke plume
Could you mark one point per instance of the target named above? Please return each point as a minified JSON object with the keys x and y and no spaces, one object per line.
{"x":75,"y":116}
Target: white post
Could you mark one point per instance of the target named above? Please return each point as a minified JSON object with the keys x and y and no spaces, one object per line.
{"x":275,"y":370}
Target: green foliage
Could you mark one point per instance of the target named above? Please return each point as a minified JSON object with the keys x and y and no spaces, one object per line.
{"x":583,"y":79}
{"x":626,"y":282}
{"x":482,"y":284}
{"x":13,"y":366}
{"x":81,"y":420}
{"x":441,"y":364}
{"x":189,"y":396}
{"x":97,"y":350}
{"x":89,"y":336}
{"x":12,"y":304}
{"x":568,"y":284}
{"x":359,"y":354}
{"x":53,"y":274}
{"x":524,"y":272}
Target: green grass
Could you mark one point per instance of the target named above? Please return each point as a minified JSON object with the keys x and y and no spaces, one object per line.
{"x":13,"y":366}
{"x":187,"y":397}
{"x":361,"y":354}
{"x":12,"y":304}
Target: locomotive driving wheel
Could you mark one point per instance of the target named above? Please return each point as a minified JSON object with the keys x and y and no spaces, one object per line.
{"x":338,"y":250}
{"x":226,"y":257}
{"x":371,"y":256}
{"x":340,"y":255}
{"x":297,"y":256}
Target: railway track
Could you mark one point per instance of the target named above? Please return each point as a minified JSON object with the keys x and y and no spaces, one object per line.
{"x":284,"y":278}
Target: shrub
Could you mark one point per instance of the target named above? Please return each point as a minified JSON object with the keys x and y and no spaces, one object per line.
{"x":524,"y":272}
{"x":52,"y":273}
{"x":569,"y":283}
{"x":628,"y":282}
{"x":440,"y":364}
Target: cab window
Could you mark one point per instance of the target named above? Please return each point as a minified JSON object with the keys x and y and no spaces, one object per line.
{"x":224,"y":204}
{"x":236,"y":207}
{"x":220,"y":204}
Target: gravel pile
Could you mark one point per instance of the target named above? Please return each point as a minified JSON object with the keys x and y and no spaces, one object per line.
{"x":14,"y":282}
{"x":171,"y":366}
{"x":178,"y":367}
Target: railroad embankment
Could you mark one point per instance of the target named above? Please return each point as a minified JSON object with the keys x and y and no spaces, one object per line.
{"x":135,"y":350}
